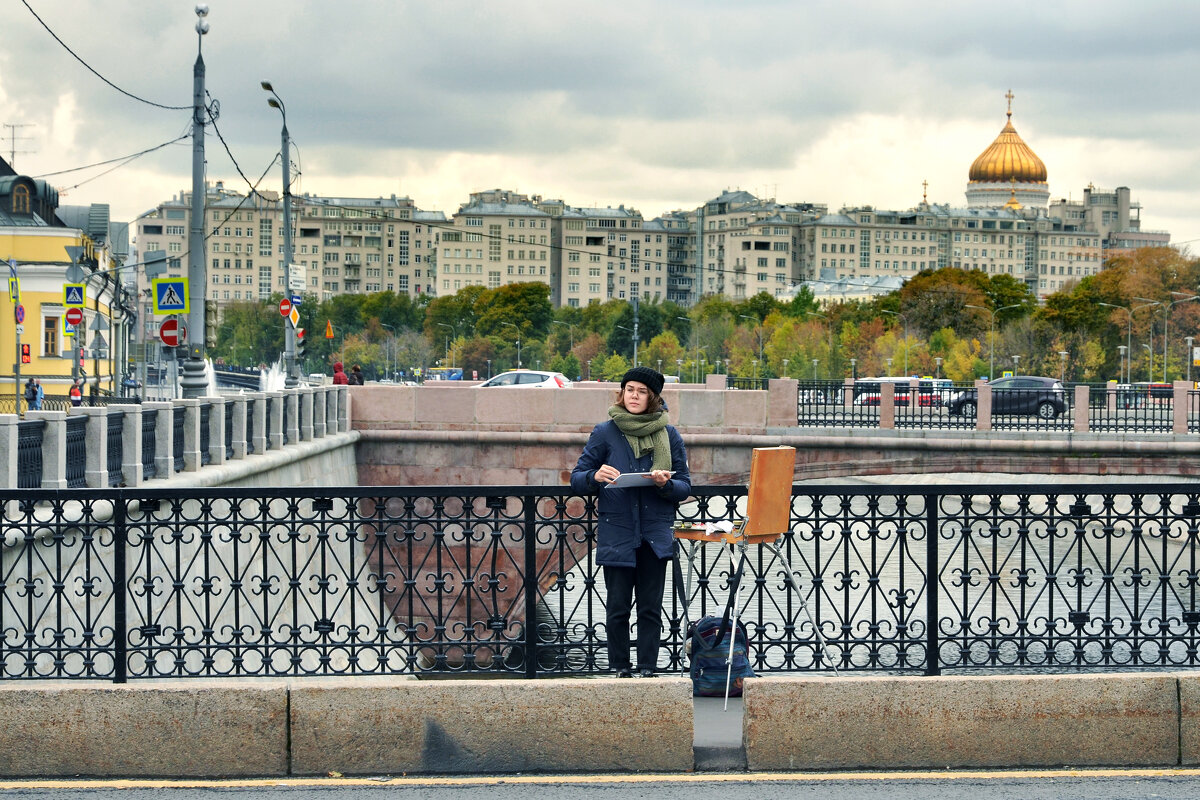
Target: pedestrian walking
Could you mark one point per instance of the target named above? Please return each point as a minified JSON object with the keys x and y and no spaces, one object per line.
{"x":356,"y":376}
{"x":39,"y":396}
{"x":634,"y":537}
{"x":30,"y":393}
{"x":76,"y":392}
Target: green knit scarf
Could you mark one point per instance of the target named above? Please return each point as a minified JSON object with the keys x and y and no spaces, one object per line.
{"x":645,"y":433}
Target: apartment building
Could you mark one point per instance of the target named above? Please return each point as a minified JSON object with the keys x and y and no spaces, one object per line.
{"x":339,"y":244}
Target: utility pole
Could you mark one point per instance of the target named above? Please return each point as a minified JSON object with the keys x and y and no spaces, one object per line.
{"x":194,"y":382}
{"x":635,"y":329}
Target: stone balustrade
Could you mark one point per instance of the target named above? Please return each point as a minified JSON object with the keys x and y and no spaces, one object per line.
{"x":215,"y":430}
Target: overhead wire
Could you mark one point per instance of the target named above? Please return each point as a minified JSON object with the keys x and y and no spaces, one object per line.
{"x":124,"y":160}
{"x":93,"y":71}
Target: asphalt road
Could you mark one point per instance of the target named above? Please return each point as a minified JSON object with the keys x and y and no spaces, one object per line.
{"x":1051,"y":785}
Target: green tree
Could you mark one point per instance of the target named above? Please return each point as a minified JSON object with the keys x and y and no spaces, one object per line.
{"x":612,"y":368}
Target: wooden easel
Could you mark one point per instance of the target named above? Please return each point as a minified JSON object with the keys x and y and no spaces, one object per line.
{"x":768,"y":518}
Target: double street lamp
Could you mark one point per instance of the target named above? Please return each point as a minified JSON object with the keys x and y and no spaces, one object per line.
{"x":446,"y":352}
{"x":292,"y":378}
{"x":1166,"y":320}
{"x":1129,"y":310}
{"x":992,"y":336}
{"x":903,"y":319}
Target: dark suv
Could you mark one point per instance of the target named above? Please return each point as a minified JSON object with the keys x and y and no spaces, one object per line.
{"x":1019,"y":395}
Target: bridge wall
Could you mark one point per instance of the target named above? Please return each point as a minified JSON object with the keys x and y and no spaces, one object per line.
{"x":449,"y":435}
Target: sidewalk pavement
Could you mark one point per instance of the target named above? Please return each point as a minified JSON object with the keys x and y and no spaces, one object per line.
{"x":717,"y":735}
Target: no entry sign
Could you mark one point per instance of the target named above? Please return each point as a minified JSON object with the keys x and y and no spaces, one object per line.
{"x":285,"y":307}
{"x":171,"y":332}
{"x":74,"y":316}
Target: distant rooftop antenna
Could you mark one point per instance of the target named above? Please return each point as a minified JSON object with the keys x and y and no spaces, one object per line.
{"x":13,"y":139}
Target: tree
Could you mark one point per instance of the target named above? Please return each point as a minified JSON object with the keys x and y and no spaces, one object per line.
{"x":612,"y":368}
{"x":250,"y":333}
{"x":526,"y":305}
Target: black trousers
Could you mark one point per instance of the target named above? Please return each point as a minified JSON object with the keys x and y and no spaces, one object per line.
{"x":647,"y":580}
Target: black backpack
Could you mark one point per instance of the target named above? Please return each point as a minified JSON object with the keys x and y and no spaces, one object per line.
{"x":30,"y":392}
{"x":710,"y":657}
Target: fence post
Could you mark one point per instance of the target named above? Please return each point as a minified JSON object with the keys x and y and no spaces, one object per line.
{"x":531,"y":588}
{"x":933,"y":662}
{"x":343,"y":408}
{"x":8,"y":450}
{"x":318,"y":412}
{"x":96,"y":444}
{"x":256,"y":421}
{"x":217,"y":409}
{"x":237,"y":407}
{"x":191,"y":433}
{"x":1083,"y":409}
{"x":782,"y":397}
{"x":305,"y":396}
{"x":292,"y":400}
{"x":887,"y":405}
{"x":54,"y":448}
{"x":332,"y":396}
{"x":983,"y":406}
{"x":1179,"y":407}
{"x":120,"y":594}
{"x":131,"y":444}
{"x":275,"y":435}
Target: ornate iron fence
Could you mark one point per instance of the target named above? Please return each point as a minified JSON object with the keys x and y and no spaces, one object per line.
{"x":115,"y":450}
{"x":29,"y":453}
{"x":149,"y":443}
{"x":76,"y":464}
{"x":126,"y":584}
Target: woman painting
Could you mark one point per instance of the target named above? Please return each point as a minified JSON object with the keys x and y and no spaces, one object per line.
{"x":634,"y":541}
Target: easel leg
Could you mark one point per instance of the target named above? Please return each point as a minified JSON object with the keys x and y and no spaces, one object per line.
{"x":791,"y":578}
{"x":735,"y":603}
{"x":685,"y":598}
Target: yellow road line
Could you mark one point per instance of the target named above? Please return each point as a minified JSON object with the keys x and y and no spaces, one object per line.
{"x":688,"y":777}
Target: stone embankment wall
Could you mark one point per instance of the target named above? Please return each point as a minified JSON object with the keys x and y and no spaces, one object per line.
{"x":455,"y":434}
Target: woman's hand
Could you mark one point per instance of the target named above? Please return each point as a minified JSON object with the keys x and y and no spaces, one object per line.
{"x":660,"y":477}
{"x":607,"y":474}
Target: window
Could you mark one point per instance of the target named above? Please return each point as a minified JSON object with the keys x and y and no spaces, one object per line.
{"x":50,"y":336}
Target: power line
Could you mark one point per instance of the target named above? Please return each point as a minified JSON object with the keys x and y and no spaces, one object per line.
{"x":93,"y":71}
{"x":123,"y":159}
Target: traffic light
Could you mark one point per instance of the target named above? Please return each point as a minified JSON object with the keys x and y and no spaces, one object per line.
{"x":25,"y":357}
{"x":300,"y":344}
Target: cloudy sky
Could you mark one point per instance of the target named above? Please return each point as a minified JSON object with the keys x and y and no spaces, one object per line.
{"x":657,"y":104}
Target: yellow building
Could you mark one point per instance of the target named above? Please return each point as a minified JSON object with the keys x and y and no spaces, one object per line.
{"x":33,"y":247}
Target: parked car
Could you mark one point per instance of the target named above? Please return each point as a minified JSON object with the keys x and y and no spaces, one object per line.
{"x":1019,"y":395}
{"x":528,"y":378}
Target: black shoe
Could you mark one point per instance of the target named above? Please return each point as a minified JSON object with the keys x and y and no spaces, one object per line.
{"x":646,"y":673}
{"x":624,"y":673}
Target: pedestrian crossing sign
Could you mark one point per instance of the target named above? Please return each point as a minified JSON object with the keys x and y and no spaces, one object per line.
{"x":170,"y":295}
{"x":73,"y":295}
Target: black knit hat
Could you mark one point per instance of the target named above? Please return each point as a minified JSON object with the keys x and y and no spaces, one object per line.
{"x":653,"y":380}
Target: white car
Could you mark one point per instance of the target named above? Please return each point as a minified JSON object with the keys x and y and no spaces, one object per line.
{"x":526,"y":378}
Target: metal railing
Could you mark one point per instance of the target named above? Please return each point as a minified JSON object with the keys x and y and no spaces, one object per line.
{"x":29,"y":453}
{"x":178,"y":420}
{"x":733,"y":382}
{"x":131,"y":584}
{"x":149,"y":443}
{"x":76,"y":452}
{"x":205,"y":433}
{"x":115,"y":450}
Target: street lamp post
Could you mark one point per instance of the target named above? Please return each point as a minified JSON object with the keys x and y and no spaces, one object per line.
{"x":1150,"y":369}
{"x":387,"y":355}
{"x":854,"y":369}
{"x":195,"y":383}
{"x":518,"y":330}
{"x":785,"y":372}
{"x":291,"y":368}
{"x":904,"y":320}
{"x":992,"y":336}
{"x":758,"y":330}
{"x":1122,"y":373}
{"x":1016,"y":364}
{"x":446,"y":351}
{"x":938,"y":360}
{"x":815,"y":360}
{"x":1188,"y":341}
{"x":1062,"y":372}
{"x":695,"y":344}
{"x":1167,"y":319}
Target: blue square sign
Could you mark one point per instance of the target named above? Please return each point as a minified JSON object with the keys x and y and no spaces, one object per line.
{"x":170,"y":295}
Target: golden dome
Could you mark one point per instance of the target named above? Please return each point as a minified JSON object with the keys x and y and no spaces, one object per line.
{"x":1008,"y":159}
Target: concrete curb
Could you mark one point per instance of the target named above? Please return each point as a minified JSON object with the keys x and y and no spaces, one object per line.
{"x":970,"y":721}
